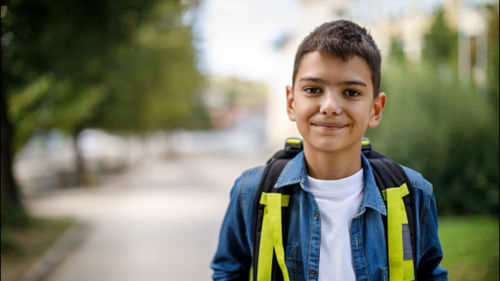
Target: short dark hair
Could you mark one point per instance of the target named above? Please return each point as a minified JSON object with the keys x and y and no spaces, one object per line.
{"x":344,"y":39}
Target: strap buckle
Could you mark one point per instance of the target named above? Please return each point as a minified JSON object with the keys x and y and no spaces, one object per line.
{"x":366,"y":145}
{"x":293,"y":145}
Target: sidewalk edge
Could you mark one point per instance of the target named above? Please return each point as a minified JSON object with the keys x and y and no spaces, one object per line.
{"x":69,"y":241}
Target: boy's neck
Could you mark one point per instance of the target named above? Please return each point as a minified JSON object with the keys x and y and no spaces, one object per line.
{"x":334,"y":165}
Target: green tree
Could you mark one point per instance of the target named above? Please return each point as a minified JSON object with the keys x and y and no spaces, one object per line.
{"x":491,"y":88}
{"x":440,"y":43}
{"x":443,"y":126}
{"x":396,"y":51}
{"x":439,"y":126}
{"x":123,"y":65}
{"x":10,"y":197}
{"x":156,"y":78}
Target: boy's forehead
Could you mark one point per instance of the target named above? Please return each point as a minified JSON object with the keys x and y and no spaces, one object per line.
{"x":325,"y":64}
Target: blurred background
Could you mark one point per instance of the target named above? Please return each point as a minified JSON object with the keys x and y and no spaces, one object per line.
{"x":124,"y":124}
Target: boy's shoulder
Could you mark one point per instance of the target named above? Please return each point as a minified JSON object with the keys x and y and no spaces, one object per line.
{"x":252,"y":175}
{"x":245,"y":189}
{"x":290,"y":168}
{"x":249,"y":180}
{"x":417,"y":180}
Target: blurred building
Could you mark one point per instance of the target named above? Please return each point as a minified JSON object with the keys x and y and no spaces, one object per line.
{"x":403,"y":20}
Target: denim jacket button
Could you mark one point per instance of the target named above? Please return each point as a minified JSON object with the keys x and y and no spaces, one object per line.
{"x":316,"y":216}
{"x":312,"y":272}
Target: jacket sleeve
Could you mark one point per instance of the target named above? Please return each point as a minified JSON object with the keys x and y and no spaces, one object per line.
{"x":430,"y":248}
{"x":233,"y":257}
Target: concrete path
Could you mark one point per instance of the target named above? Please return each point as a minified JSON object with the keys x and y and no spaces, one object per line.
{"x":159,"y":221}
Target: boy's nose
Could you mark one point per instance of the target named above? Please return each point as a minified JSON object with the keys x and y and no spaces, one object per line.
{"x":330,"y":105}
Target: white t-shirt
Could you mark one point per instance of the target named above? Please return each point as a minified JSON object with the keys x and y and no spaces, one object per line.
{"x":338,"y":202}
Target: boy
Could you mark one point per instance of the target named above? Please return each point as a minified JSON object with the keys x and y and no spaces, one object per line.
{"x":336,"y":228}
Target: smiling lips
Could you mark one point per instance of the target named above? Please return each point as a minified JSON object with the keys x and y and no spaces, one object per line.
{"x":329,"y":126}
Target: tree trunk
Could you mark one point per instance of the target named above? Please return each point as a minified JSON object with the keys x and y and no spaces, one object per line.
{"x":10,"y":195}
{"x":82,"y":172}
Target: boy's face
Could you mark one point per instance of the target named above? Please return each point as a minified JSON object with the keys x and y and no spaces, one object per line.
{"x":332,"y":102}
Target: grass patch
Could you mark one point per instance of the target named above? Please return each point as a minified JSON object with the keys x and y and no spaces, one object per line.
{"x":470,"y":246}
{"x":22,"y":245}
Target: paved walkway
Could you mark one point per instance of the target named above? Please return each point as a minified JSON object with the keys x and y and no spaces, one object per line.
{"x":160,"y":221}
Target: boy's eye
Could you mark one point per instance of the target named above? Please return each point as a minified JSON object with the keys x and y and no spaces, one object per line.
{"x":312,"y":90}
{"x":351,"y":93}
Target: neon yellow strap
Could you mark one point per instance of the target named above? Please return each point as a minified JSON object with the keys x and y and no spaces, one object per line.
{"x":408,"y":273}
{"x":271,"y":236}
{"x":395,"y":234}
{"x":403,"y":189}
{"x":399,"y":269}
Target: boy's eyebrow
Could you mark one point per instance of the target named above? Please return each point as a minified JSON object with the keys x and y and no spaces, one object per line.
{"x":354,"y":82}
{"x":312,"y":79}
{"x":319,"y":80}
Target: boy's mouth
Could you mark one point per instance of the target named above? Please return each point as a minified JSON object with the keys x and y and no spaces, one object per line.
{"x":330,"y":126}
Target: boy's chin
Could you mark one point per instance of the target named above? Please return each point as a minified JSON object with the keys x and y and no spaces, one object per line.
{"x":331,"y":146}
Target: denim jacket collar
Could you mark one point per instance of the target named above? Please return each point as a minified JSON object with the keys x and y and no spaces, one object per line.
{"x":295,"y":172}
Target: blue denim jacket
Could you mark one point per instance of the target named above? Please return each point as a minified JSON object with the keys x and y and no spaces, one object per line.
{"x":302,"y":252}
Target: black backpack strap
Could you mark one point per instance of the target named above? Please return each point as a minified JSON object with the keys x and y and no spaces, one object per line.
{"x":274,"y":167}
{"x":387,"y":174}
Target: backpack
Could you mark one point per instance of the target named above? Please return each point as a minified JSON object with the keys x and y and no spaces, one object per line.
{"x":270,"y":217}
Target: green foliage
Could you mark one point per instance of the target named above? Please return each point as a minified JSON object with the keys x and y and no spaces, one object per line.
{"x":156,"y":77}
{"x":46,"y":103}
{"x":446,"y":128}
{"x":442,"y":128}
{"x":440,"y":42}
{"x":491,"y":89}
{"x":470,"y":247}
{"x":396,"y":51}
{"x":118,"y":65}
{"x":13,"y":216}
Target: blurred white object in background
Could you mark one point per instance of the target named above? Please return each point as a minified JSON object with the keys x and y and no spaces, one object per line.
{"x":48,"y":161}
{"x":45,"y":163}
{"x":103,"y":151}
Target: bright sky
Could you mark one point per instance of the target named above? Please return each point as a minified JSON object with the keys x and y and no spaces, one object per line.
{"x":236,"y":36}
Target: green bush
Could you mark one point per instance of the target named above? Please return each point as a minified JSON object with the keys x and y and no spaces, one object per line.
{"x":446,"y":129}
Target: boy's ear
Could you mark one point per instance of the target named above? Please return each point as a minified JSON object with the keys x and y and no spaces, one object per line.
{"x":377,"y":110}
{"x":290,"y":105}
